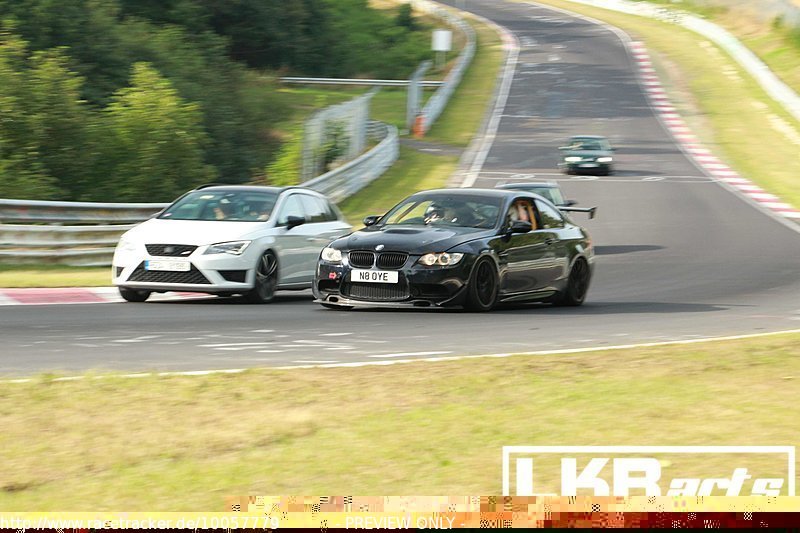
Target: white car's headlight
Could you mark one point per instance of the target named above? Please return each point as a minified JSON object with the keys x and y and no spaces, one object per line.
{"x":572,"y":159}
{"x":126,"y":245}
{"x":441,"y":259}
{"x":233,"y":248}
{"x":331,"y":255}
{"x":604,"y":159}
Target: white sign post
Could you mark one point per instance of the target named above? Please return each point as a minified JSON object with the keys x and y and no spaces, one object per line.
{"x":442,"y":43}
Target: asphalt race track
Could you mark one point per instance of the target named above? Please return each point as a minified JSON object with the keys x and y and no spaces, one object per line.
{"x":680,"y":256}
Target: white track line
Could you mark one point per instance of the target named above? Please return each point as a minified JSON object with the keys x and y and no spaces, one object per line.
{"x":686,"y":142}
{"x":357,"y":364}
{"x":511,"y":43}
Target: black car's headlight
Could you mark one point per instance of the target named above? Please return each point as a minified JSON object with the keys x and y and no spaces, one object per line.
{"x":331,"y":255}
{"x":440,"y":259}
{"x":604,"y":159}
{"x":233,"y":248}
{"x":572,"y":159}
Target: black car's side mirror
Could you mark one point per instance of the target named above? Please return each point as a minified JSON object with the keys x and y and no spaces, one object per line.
{"x":371,"y":220}
{"x":568,"y":203}
{"x":293,"y":221}
{"x":521,"y":226}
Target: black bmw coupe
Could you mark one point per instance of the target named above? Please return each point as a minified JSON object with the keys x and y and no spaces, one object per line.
{"x":471,"y":248}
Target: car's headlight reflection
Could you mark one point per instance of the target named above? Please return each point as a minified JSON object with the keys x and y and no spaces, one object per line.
{"x":331,"y":255}
{"x":233,"y":248}
{"x":440,"y":259}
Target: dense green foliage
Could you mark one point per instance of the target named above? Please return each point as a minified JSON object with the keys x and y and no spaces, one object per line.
{"x":136,"y":100}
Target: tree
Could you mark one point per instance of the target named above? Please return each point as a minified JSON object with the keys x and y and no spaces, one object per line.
{"x":41,"y":120}
{"x":405,"y":17}
{"x":156,"y":141}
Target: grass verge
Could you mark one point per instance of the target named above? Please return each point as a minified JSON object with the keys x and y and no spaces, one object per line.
{"x":24,"y":276}
{"x":184,"y":443}
{"x":777,"y":43}
{"x":725,"y":107}
{"x":413,"y":171}
{"x":456,"y":126}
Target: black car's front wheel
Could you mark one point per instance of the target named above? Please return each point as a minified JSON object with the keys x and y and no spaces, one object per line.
{"x":483,"y":286}
{"x":577,"y":285}
{"x":266,"y":281}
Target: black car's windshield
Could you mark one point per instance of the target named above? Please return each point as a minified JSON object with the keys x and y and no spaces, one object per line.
{"x":457,"y":210}
{"x":238,"y":206}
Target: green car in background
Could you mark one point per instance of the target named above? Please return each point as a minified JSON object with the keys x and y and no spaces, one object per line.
{"x":587,"y":154}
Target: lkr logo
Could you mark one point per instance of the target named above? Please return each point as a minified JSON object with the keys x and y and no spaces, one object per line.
{"x":639,"y":470}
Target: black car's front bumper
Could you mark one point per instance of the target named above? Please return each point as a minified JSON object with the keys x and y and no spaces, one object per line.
{"x":417,"y":286}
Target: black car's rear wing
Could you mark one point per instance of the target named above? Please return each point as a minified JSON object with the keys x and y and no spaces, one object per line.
{"x":590,"y":210}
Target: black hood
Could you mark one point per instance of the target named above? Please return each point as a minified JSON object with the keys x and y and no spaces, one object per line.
{"x":415,"y":240}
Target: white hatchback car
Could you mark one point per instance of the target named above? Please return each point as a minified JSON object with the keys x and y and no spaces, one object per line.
{"x":226,"y":239}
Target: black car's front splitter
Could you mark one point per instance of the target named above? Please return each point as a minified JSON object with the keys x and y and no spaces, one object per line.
{"x":454,"y":302}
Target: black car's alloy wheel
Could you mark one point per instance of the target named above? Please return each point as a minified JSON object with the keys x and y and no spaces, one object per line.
{"x":577,"y":286}
{"x":266,"y":280}
{"x":131,"y":295}
{"x":482,"y":288}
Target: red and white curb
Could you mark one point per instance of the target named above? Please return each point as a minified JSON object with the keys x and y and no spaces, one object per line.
{"x":702,"y":156}
{"x":80,"y":295}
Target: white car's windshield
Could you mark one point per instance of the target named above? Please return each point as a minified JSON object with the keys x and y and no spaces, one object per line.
{"x":237,"y":206}
{"x":446,"y":210}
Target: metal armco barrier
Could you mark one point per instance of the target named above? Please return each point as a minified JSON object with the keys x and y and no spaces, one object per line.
{"x":76,"y":212}
{"x":356,"y":81}
{"x":93,"y":245}
{"x":436,"y":103}
{"x":774,"y":87}
{"x":348,"y":179}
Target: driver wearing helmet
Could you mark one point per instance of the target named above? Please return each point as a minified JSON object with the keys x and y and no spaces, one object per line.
{"x":436,"y":213}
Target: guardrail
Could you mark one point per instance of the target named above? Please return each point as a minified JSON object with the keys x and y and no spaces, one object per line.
{"x":31,"y":211}
{"x":348,"y":179}
{"x":438,"y":101}
{"x":93,"y":245}
{"x":85,"y":243}
{"x":774,"y":87}
{"x":356,"y":81}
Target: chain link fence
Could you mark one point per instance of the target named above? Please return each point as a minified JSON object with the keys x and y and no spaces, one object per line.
{"x":337,"y":133}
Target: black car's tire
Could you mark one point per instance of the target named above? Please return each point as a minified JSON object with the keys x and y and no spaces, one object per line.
{"x":132,"y":295}
{"x":266,"y":281}
{"x":577,"y":285}
{"x":483,"y":287}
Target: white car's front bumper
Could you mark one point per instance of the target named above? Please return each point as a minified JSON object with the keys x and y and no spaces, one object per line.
{"x":213,"y":273}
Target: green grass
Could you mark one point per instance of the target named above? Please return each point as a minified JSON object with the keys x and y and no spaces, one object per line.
{"x":776,"y":43}
{"x":23,"y":276}
{"x":184,"y":443}
{"x":725,"y":107}
{"x":413,"y":171}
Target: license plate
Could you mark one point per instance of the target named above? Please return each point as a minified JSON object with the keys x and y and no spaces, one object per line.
{"x":169,"y":266}
{"x":373,"y":276}
{"x":588,"y":165}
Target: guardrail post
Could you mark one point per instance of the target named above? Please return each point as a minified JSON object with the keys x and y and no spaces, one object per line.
{"x":415,"y":94}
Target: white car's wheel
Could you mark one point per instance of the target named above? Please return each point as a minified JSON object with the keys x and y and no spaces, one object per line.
{"x":266,"y":281}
